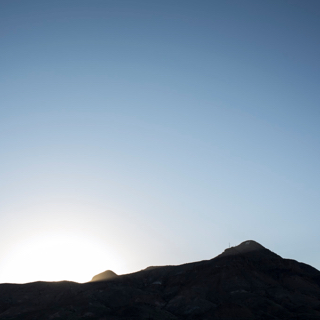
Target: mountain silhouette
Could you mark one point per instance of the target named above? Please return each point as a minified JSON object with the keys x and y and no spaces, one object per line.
{"x":244,"y":282}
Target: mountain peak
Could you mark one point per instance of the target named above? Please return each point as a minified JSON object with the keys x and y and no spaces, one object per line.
{"x":249,"y":245}
{"x":243,"y":247}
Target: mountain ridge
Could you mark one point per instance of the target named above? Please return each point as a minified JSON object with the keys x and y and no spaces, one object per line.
{"x":247,"y":281}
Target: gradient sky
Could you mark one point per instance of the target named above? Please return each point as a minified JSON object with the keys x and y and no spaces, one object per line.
{"x":138,"y":133}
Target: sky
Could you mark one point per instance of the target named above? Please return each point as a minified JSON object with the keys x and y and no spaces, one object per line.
{"x":139,"y":133}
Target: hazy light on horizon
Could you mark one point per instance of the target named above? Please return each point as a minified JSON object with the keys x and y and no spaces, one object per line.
{"x":55,"y":258}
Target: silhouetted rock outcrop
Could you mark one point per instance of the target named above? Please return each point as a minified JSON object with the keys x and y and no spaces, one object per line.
{"x":106,"y":275}
{"x":244,"y":282}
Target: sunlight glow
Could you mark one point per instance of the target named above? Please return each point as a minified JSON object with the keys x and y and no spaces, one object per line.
{"x":57,"y":257}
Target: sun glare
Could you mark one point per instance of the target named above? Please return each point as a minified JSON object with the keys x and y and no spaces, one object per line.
{"x":56,"y":258}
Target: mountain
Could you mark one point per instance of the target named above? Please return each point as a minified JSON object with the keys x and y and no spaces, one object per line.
{"x":244,"y":282}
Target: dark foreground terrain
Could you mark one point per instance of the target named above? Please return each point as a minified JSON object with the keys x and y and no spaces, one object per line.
{"x":244,"y":282}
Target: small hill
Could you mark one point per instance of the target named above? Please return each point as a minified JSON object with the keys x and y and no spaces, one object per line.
{"x":103,"y":276}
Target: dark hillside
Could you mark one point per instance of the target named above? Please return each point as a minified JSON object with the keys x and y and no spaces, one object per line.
{"x":244,"y":282}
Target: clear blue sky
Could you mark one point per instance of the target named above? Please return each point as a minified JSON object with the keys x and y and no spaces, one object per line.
{"x":161,"y":131}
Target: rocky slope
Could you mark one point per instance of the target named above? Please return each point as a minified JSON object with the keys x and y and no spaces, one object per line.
{"x":244,"y":282}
